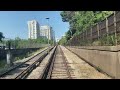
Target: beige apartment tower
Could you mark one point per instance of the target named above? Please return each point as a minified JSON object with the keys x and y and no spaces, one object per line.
{"x":33,"y":29}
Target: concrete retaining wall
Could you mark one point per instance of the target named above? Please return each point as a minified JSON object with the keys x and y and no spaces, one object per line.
{"x":16,"y":52}
{"x":2,"y":54}
{"x":105,"y":58}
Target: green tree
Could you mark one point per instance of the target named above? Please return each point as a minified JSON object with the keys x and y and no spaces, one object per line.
{"x":1,"y":36}
{"x":30,"y":43}
{"x":81,"y":20}
{"x":62,"y":41}
{"x":67,"y":15}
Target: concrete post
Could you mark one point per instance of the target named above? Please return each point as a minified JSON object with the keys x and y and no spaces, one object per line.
{"x":9,"y":58}
{"x":9,"y":55}
{"x":115,"y":27}
{"x":107,"y":30}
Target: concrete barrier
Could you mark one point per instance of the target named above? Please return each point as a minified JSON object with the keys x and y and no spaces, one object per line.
{"x":16,"y":52}
{"x":2,"y":54}
{"x":106,"y":58}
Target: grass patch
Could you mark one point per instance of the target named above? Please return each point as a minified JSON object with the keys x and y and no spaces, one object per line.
{"x":28,"y":54}
{"x":2,"y":63}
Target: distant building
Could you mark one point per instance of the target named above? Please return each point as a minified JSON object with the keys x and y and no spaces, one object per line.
{"x":44,"y":31}
{"x":47,"y":30}
{"x":34,"y":29}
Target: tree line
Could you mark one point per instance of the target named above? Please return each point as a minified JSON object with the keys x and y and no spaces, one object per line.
{"x":18,"y":43}
{"x":30,"y":43}
{"x":80,"y":21}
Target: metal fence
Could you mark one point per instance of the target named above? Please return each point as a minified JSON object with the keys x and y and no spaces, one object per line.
{"x":106,"y":32}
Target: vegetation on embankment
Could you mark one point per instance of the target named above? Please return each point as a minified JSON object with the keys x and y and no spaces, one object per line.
{"x":80,"y":21}
{"x":18,"y":43}
{"x":3,"y":62}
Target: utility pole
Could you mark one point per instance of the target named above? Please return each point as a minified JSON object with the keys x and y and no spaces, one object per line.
{"x":48,"y":33}
{"x":9,"y":54}
{"x":8,"y":51}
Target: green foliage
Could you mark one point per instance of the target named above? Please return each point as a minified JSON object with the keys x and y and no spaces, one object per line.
{"x":63,"y":41}
{"x":1,"y":36}
{"x":105,"y":40}
{"x":81,"y":20}
{"x":111,"y":40}
{"x":30,"y":43}
{"x":2,"y":63}
{"x":19,"y":57}
{"x":67,"y":15}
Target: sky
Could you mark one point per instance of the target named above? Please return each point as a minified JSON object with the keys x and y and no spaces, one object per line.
{"x":14,"y":23}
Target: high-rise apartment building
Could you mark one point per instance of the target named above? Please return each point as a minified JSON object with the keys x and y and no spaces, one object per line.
{"x":34,"y":29}
{"x":47,"y":30}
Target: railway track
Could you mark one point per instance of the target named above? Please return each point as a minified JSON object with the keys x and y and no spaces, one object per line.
{"x":22,"y":71}
{"x":41,"y":71}
{"x":47,"y":66}
{"x":57,"y":67}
